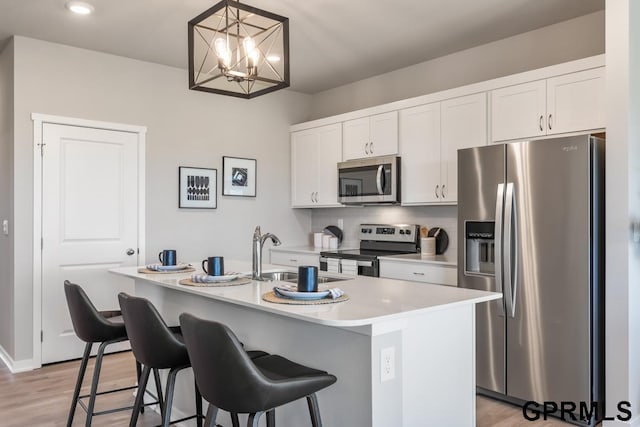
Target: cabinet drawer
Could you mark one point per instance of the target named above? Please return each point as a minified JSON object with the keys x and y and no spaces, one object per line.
{"x":293,"y":259}
{"x":415,"y":272}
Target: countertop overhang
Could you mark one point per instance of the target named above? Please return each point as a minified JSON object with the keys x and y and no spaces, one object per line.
{"x":371,"y":300}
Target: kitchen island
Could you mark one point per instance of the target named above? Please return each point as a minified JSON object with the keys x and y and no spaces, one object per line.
{"x":403,"y":352}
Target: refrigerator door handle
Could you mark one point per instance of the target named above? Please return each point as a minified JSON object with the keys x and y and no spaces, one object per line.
{"x":510,"y":250}
{"x":498,"y":246}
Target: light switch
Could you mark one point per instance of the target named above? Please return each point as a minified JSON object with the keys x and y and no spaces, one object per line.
{"x":5,"y":227}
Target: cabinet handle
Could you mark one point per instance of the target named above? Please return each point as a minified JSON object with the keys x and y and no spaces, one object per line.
{"x":371,"y":147}
{"x":293,"y":260}
{"x":365,"y":148}
{"x":541,"y":124}
{"x":316,"y":197}
{"x":437,"y":188}
{"x":418,"y":274}
{"x":442,"y":191}
{"x":550,"y":118}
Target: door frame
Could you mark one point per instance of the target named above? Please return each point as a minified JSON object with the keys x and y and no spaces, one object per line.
{"x":38,"y":121}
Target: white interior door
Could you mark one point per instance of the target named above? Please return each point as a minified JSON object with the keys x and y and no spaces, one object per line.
{"x":89,"y":224}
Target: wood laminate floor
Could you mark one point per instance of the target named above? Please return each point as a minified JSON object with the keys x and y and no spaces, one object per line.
{"x":42,"y":398}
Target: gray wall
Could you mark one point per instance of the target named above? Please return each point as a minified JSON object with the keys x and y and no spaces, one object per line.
{"x":6,"y":198}
{"x":185,"y":128}
{"x":577,"y":38}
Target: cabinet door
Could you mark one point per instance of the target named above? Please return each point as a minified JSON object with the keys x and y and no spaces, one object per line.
{"x":294,"y":259}
{"x":463,"y":125}
{"x":355,"y":139}
{"x":519,"y":111}
{"x":419,"y":272}
{"x":419,"y":146}
{"x":576,"y":102}
{"x":329,"y":151}
{"x":304,"y":166}
{"x":384,"y":134}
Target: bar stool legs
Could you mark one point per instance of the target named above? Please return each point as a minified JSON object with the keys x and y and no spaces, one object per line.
{"x":76,"y":392}
{"x":314,"y":410}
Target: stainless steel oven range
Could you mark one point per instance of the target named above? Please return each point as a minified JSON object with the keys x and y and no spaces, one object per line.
{"x":376,"y":240}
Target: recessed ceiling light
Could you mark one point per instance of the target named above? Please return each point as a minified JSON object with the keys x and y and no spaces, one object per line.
{"x":273,"y":58}
{"x":80,"y":7}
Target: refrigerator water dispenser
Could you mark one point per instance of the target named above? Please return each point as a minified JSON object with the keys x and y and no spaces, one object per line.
{"x":479,"y":247}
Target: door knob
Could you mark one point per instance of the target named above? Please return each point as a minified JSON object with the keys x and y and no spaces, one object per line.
{"x":130,"y":251}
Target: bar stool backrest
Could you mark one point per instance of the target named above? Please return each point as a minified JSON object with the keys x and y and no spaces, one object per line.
{"x":152,"y":342}
{"x":88,"y":324}
{"x":226,"y":376}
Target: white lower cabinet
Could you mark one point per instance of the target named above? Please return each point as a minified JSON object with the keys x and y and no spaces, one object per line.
{"x":294,"y":259}
{"x":419,"y":272}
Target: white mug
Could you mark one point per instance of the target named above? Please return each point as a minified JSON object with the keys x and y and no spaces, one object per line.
{"x":428,"y":246}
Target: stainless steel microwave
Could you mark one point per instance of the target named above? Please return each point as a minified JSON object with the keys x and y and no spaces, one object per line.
{"x":372,"y":180}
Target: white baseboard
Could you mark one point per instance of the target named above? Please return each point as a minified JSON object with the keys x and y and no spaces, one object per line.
{"x":634,"y":422}
{"x":16,"y":366}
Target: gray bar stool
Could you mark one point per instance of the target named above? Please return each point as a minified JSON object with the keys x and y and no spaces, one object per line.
{"x":228,"y":379}
{"x":93,"y":326}
{"x":158,"y":346}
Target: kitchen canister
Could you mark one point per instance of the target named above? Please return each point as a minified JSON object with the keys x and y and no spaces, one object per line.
{"x":427,"y":246}
{"x":317,"y":240}
{"x":333,"y":243}
{"x":326,"y":241}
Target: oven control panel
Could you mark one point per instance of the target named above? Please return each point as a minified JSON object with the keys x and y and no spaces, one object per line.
{"x":389,"y":233}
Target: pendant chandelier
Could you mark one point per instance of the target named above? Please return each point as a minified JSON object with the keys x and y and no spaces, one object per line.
{"x":238,"y":50}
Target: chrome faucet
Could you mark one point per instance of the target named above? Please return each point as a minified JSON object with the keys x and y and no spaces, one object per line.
{"x":258,"y":243}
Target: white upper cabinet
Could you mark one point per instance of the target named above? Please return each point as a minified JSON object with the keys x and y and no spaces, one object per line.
{"x":576,"y":101}
{"x":519,"y":111}
{"x":430,"y":137}
{"x":419,"y":145}
{"x":568,"y":103}
{"x":371,"y":136}
{"x":463,"y":125}
{"x":315,"y":154}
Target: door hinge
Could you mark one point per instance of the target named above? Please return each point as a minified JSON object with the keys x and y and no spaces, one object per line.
{"x":41,"y":336}
{"x":42,"y":149}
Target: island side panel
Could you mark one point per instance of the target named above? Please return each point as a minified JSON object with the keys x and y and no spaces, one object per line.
{"x":438,"y":358}
{"x":344,"y":353}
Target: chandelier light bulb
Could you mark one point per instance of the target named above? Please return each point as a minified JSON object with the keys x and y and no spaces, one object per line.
{"x":249,"y":46}
{"x":223,"y":54}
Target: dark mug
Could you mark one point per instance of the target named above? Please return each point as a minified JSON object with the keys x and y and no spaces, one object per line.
{"x":167,"y":257}
{"x":213,"y":266}
{"x":307,"y":278}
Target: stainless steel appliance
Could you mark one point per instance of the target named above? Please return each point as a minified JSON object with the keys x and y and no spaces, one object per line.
{"x":373,"y":180}
{"x":530,"y":225}
{"x":376,"y":240}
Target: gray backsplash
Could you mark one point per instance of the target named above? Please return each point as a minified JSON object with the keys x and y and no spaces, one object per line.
{"x":429,"y":216}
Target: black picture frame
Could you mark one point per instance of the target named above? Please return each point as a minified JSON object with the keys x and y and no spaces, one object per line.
{"x":197,"y":188}
{"x":239,"y":176}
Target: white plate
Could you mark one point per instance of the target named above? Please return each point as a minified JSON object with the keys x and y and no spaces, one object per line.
{"x":303,"y":295}
{"x":225,"y":278}
{"x":171,"y":267}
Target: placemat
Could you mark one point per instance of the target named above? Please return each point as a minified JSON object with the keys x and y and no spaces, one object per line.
{"x":271,"y":297}
{"x":147,"y":271}
{"x":234,"y":282}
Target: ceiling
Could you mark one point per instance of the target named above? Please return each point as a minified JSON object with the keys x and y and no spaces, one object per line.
{"x":332,"y":42}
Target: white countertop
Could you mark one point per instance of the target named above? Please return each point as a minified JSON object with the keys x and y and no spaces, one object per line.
{"x":423,"y":259}
{"x":372,"y":300}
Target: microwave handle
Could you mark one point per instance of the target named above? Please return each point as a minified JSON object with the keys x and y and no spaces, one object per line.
{"x":379,"y":177}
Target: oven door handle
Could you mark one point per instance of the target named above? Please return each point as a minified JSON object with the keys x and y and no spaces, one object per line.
{"x":365,"y":263}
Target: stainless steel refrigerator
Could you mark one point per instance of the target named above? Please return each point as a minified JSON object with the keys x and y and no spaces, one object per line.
{"x":530,"y":225}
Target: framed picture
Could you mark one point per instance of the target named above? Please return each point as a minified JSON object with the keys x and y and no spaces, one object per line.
{"x":198,"y":188}
{"x":239,"y":177}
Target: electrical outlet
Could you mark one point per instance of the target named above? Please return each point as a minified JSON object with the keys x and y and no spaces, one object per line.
{"x":387,"y":364}
{"x":5,"y":227}
{"x":341,"y":224}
